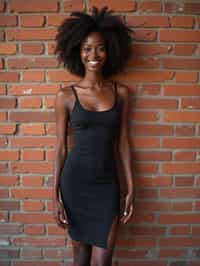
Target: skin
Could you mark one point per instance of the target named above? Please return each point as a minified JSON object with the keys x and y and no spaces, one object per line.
{"x":94,"y":93}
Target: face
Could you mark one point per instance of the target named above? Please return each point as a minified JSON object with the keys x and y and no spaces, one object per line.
{"x":93,"y":52}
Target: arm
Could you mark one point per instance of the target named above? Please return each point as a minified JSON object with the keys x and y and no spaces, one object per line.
{"x":124,"y":151}
{"x":61,"y":115}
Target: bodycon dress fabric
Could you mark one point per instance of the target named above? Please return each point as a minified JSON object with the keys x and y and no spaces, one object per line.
{"x":89,"y":185}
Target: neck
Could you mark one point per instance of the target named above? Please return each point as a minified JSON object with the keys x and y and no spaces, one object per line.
{"x":93,"y":80}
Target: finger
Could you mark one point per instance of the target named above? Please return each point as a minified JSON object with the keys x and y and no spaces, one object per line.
{"x":129,"y":215}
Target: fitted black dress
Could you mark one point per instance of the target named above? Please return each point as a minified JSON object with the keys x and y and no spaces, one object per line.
{"x":89,"y":184}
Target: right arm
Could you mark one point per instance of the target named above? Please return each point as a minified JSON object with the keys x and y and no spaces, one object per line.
{"x":61,"y":114}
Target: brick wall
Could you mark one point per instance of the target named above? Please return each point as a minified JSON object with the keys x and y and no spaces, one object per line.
{"x":163,"y":77}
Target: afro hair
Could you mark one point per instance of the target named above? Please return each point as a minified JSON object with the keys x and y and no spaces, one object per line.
{"x":73,"y":30}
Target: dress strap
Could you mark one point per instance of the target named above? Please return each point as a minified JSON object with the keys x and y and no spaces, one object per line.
{"x":115,"y":83}
{"x":75,"y":93}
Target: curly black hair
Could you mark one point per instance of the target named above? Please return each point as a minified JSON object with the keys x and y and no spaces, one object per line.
{"x":73,"y":30}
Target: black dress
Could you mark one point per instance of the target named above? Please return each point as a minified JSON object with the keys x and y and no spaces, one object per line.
{"x":89,"y":185}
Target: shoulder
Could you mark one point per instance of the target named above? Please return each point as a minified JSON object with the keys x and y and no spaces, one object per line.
{"x":64,"y":96}
{"x":123,"y":91}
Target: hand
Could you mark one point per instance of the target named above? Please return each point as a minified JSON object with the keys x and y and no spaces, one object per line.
{"x":59,"y":213}
{"x":128,"y":210}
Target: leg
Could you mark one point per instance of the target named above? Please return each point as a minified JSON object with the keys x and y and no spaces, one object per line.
{"x":102,"y":256}
{"x":82,"y":253}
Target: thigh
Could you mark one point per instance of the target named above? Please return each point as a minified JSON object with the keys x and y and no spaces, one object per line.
{"x":81,"y":253}
{"x":102,"y":256}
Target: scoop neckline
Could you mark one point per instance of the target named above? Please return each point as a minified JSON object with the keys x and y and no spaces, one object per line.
{"x":96,"y":111}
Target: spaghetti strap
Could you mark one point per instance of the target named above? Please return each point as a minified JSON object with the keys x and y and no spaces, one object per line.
{"x":115,"y":91}
{"x":74,"y":91}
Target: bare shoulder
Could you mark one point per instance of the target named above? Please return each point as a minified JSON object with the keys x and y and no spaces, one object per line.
{"x":123,"y":91}
{"x":64,"y":96}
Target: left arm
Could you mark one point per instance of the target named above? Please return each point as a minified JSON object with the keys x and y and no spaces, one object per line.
{"x":125,"y":153}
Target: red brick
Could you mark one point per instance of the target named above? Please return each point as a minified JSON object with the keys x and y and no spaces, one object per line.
{"x":38,"y":262}
{"x":6,"y":102}
{"x":33,"y":6}
{"x":145,"y":103}
{"x":126,"y":5}
{"x":35,"y":253}
{"x":179,"y":218}
{"x":31,"y":130}
{"x":185,"y":49}
{"x":145,"y":35}
{"x":181,"y":143}
{"x":144,"y":116}
{"x":7,"y":48}
{"x":9,"y":205}
{"x":182,"y":7}
{"x":180,"y":63}
{"x":30,"y":34}
{"x":9,"y":76}
{"x":10,"y":229}
{"x":9,"y":155}
{"x":56,"y":20}
{"x":190,"y":103}
{"x":152,"y":156}
{"x":73,"y":5}
{"x":141,"y":63}
{"x":35,"y":229}
{"x":7,"y":129}
{"x":155,"y":181}
{"x":32,"y":21}
{"x":184,"y":180}
{"x":33,"y":206}
{"x":182,"y":21}
{"x":32,"y":142}
{"x":33,"y":89}
{"x":150,"y":49}
{"x":165,"y":253}
{"x":180,"y":168}
{"x":34,"y":167}
{"x":32,"y":181}
{"x":8,"y":20}
{"x":182,"y":117}
{"x":8,"y":180}
{"x":21,"y":63}
{"x":181,"y":90}
{"x":30,"y":102}
{"x":34,"y":76}
{"x":2,"y":5}
{"x":32,"y":155}
{"x":180,"y":35}
{"x":8,"y":253}
{"x":145,"y":76}
{"x":32,"y":48}
{"x":184,"y":156}
{"x":150,"y":6}
{"x":180,"y":230}
{"x":148,"y":21}
{"x":184,"y":130}
{"x":152,"y":130}
{"x":31,"y":193}
{"x":186,"y":76}
{"x":35,"y":116}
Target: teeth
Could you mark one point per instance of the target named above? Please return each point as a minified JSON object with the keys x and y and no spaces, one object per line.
{"x":93,"y":62}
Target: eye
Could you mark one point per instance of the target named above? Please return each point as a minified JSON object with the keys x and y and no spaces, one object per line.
{"x":86,"y":49}
{"x":102,"y":49}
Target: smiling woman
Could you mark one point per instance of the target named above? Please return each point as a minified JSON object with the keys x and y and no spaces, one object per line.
{"x":86,"y":195}
{"x":93,"y":51}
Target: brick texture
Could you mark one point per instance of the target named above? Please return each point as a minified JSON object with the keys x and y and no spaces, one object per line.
{"x":163,"y":78}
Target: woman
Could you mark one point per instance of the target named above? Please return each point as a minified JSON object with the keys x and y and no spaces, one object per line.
{"x":86,"y":195}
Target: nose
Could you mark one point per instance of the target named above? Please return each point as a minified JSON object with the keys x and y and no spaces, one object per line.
{"x":94,"y":53}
